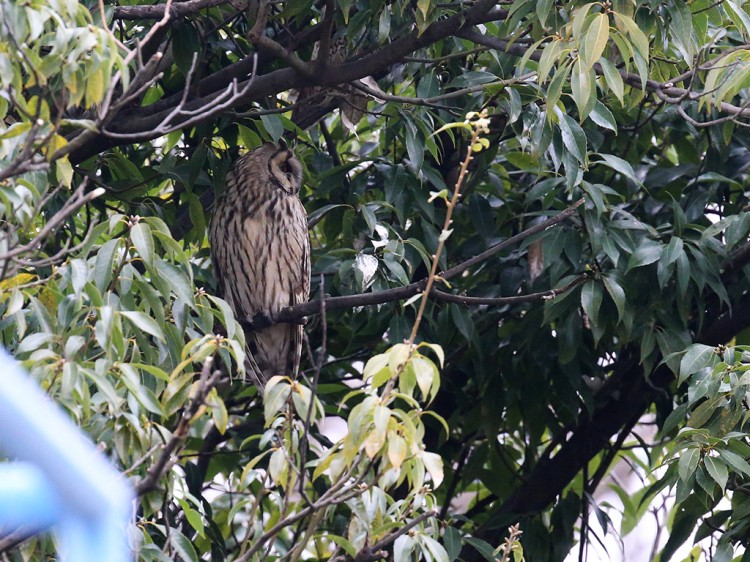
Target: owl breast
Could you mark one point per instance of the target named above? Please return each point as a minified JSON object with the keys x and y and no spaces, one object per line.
{"x":273,"y":249}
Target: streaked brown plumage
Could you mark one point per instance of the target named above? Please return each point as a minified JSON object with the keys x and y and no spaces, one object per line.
{"x":261,"y":254}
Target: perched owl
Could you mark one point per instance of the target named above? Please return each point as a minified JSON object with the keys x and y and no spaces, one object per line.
{"x":260,"y":252}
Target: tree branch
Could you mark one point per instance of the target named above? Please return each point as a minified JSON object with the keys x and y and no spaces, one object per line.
{"x":666,"y":91}
{"x":299,"y":311}
{"x":177,"y":10}
{"x":498,"y":301}
{"x":141,"y":124}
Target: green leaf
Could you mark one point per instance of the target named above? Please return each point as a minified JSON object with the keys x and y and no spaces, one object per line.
{"x":550,"y":56}
{"x":614,"y":79}
{"x":554,"y":89}
{"x":273,"y":126}
{"x":573,"y":136}
{"x":179,"y":283}
{"x":697,"y":357}
{"x":591,"y":300}
{"x":617,"y":293}
{"x":688,"y":462}
{"x":144,"y":322}
{"x":717,"y":470}
{"x":193,"y":517}
{"x":580,"y":19}
{"x":143,"y":241}
{"x":105,"y":258}
{"x":182,"y":546}
{"x":735,"y":461}
{"x":637,"y":37}
{"x":452,"y":542}
{"x":619,"y":165}
{"x":543,"y":9}
{"x":603,"y":117}
{"x":142,"y":394}
{"x":646,"y":253}
{"x":482,"y":547}
{"x":739,"y":17}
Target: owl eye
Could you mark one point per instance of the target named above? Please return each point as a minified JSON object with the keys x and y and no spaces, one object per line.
{"x":285,"y":167}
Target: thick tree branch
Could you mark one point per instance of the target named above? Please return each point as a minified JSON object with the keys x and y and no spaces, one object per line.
{"x":141,"y":123}
{"x":176,"y":10}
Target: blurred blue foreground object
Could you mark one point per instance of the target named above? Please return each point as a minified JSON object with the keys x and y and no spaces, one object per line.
{"x":60,"y":479}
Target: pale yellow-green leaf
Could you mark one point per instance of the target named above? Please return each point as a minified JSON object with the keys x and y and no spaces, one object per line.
{"x":374,"y":442}
{"x":397,"y":449}
{"x":16,"y":280}
{"x":437,"y":350}
{"x":95,"y":88}
{"x":302,"y":398}
{"x":580,"y":20}
{"x":425,"y":372}
{"x":592,"y":45}
{"x":380,"y":417}
{"x":552,"y":53}
{"x":374,"y":366}
{"x":278,"y":467}
{"x":218,"y":411}
{"x":276,"y":395}
{"x":397,"y":357}
{"x":434,"y":465}
{"x":64,"y":170}
{"x":16,"y":129}
{"x":583,"y":88}
{"x":323,"y":466}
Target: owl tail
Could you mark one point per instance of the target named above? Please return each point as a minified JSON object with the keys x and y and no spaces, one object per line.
{"x":253,"y":372}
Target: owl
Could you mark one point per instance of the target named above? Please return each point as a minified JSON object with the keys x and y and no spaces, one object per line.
{"x":260,"y":251}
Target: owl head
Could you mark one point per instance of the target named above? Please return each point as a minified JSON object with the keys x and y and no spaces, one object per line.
{"x":284,"y":170}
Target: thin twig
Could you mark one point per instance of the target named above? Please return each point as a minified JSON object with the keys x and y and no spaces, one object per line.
{"x":497,"y":301}
{"x":444,"y":233}
{"x":304,"y":441}
{"x":376,"y":551}
{"x":168,"y":456}
{"x":79,"y":199}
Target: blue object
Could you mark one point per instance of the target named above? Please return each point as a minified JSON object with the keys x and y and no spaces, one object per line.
{"x":62,"y":479}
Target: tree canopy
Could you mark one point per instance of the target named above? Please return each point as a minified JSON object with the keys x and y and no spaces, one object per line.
{"x":529,"y":226}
